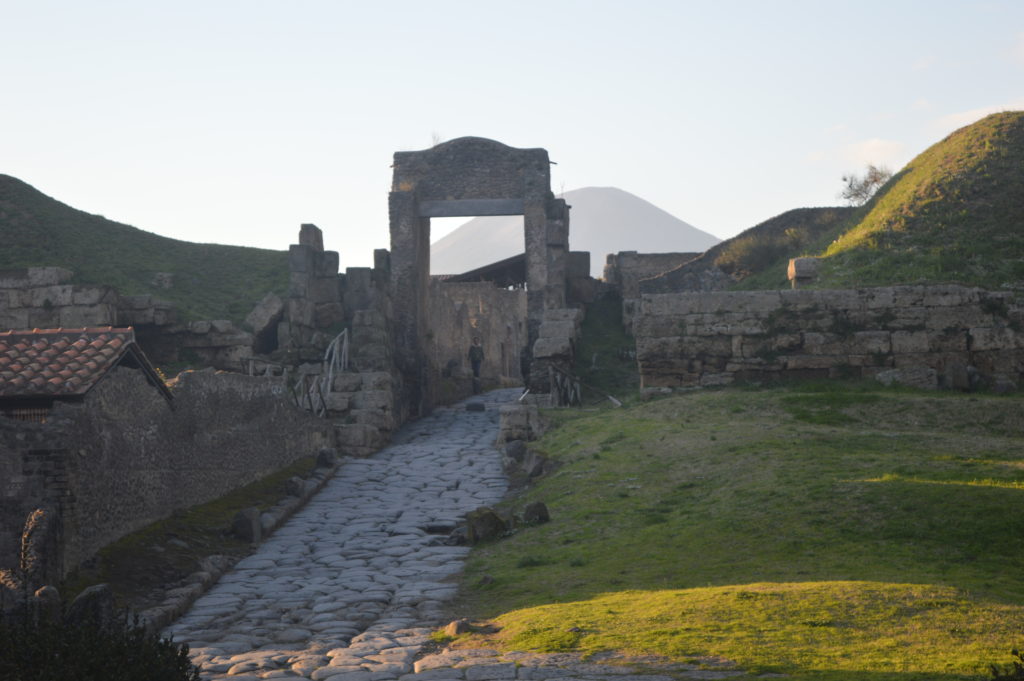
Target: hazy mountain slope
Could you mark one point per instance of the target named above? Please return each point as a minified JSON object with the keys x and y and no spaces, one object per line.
{"x":210,"y":281}
{"x":602,"y":220}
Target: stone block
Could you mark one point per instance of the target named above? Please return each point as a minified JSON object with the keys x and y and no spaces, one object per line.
{"x":564,"y":314}
{"x":995,"y":338}
{"x":909,"y":341}
{"x":950,"y":295}
{"x":558,"y":329}
{"x":552,"y":347}
{"x":301,"y":258}
{"x":14,"y":319}
{"x":138,"y":302}
{"x":337,"y":402}
{"x":878,"y":299}
{"x":376,"y":380}
{"x":40,"y":318}
{"x":379,"y":419}
{"x":92,"y":295}
{"x":80,"y":316}
{"x":915,"y":377}
{"x":797,"y":362}
{"x":348,"y":382}
{"x":311,"y":236}
{"x":266,"y":315}
{"x":223,"y":326}
{"x":327,"y":315}
{"x":324,"y":290}
{"x":327,"y":264}
{"x":301,"y":312}
{"x":867,"y":342}
{"x":372,"y":399}
{"x":51,"y":296}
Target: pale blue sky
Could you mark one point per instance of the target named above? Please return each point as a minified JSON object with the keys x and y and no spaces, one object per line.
{"x":234,"y":122}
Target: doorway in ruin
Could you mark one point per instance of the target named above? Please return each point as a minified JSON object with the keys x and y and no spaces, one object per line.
{"x":468,"y":177}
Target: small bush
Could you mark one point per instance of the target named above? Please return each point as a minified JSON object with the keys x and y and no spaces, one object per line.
{"x":57,"y":649}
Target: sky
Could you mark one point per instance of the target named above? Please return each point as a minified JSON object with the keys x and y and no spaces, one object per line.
{"x":234,"y":122}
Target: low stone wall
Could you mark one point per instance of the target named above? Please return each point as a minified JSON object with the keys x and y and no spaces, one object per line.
{"x":928,"y":336}
{"x":124,"y":458}
{"x":626,"y":269}
{"x":42,"y":298}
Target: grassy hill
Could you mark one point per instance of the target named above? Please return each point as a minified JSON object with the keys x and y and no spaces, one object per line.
{"x":819,"y":531}
{"x":209,"y":281}
{"x":952,"y":215}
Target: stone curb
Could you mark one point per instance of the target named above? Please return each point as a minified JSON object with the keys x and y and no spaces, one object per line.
{"x":177,"y":601}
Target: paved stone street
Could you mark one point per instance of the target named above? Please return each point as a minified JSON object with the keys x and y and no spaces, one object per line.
{"x":351,"y":587}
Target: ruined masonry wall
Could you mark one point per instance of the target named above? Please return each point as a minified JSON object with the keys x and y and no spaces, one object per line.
{"x":459,"y":311}
{"x":124,"y":458}
{"x":928,"y":336}
{"x":625,"y":270}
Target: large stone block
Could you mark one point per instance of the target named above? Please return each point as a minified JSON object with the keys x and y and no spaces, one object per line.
{"x":376,"y":380}
{"x":301,"y":258}
{"x":267,"y":313}
{"x":552,"y":347}
{"x":995,"y":338}
{"x":51,"y":296}
{"x":79,"y":316}
{"x":564,"y":314}
{"x":372,"y":399}
{"x":910,"y":341}
{"x":381,"y":420}
{"x":301,"y":312}
{"x":558,"y":329}
{"x":327,"y":264}
{"x":93,"y":295}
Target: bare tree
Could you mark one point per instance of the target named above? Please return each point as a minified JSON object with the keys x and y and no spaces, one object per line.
{"x":858,"y":189}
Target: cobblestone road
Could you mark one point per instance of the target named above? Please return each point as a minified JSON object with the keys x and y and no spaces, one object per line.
{"x":351,"y":587}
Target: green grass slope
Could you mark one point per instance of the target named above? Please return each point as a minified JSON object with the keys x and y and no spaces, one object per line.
{"x":210,"y":281}
{"x":953,"y":214}
{"x":830,"y":531}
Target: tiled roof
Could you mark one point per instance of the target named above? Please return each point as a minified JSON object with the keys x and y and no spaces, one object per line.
{"x":59,"y":362}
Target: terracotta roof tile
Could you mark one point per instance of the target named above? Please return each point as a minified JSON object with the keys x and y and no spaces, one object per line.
{"x":59,"y":362}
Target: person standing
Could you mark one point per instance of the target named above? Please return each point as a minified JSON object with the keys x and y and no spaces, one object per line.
{"x":476,"y":358}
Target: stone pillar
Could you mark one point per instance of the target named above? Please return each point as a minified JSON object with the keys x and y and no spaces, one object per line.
{"x":410,"y":277}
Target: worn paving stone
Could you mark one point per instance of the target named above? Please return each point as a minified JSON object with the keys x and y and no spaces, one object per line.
{"x":356,"y":559}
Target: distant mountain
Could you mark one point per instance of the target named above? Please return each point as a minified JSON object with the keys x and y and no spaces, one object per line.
{"x":209,"y":281}
{"x":603,"y":220}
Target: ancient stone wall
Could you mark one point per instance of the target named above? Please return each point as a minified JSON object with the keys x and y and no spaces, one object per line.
{"x":461,"y":311}
{"x":42,"y":298}
{"x":625,"y":270}
{"x":928,"y":336}
{"x":125,"y":458}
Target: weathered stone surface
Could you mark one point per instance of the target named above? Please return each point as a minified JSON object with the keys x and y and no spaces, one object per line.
{"x":690,"y":339}
{"x":266,"y":315}
{"x":246,"y":525}
{"x":553,"y":347}
{"x":93,"y":607}
{"x":536,"y":513}
{"x":484,"y":524}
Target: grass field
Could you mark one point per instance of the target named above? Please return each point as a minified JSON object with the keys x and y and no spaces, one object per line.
{"x":832,"y":531}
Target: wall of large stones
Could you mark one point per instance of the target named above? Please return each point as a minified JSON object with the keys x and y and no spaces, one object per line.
{"x":460,"y":311}
{"x":929,"y":336}
{"x":124,"y":458}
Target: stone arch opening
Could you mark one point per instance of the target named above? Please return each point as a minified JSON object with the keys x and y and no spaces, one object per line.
{"x":466,"y":177}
